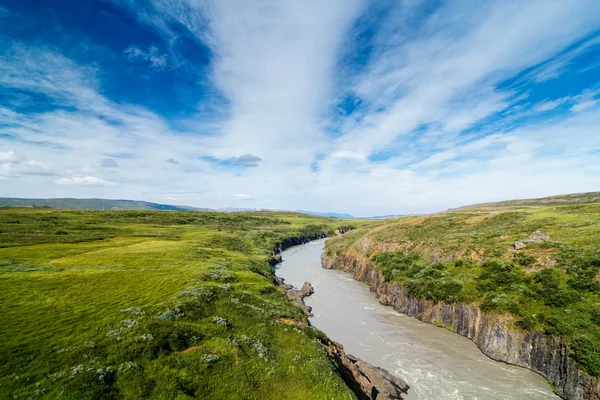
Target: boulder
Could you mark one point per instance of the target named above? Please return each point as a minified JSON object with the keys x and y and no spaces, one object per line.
{"x":519,"y":245}
{"x":367,"y":381}
{"x":297,"y":296}
{"x":307,"y":289}
{"x":538,"y":236}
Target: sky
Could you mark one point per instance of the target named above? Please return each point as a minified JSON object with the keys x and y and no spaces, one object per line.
{"x":368,"y":107}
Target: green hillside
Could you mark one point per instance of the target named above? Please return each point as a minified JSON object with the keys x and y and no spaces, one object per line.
{"x":154,"y":304}
{"x":538,"y":264}
{"x":574,"y":198}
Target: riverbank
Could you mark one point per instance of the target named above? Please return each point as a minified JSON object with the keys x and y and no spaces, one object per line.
{"x":493,"y":334}
{"x":368,"y":382}
{"x":437,"y":364}
{"x":522,"y":281}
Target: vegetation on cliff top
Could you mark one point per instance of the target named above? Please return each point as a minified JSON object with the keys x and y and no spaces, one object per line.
{"x":550,"y":284}
{"x":149,"y":304}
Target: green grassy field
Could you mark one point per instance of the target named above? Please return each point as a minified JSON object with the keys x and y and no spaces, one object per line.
{"x":151,"y":304}
{"x":468,"y":256}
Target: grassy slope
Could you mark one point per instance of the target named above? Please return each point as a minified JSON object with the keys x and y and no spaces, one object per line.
{"x":165,"y":305}
{"x":574,"y":198}
{"x":468,"y":256}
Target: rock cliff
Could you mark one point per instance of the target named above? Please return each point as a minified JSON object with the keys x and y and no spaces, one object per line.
{"x":493,"y":334}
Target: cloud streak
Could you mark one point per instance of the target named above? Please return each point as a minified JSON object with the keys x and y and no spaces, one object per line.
{"x":84,"y":180}
{"x":151,"y":57}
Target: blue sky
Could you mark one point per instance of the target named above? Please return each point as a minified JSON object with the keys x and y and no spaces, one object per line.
{"x":365,"y":107}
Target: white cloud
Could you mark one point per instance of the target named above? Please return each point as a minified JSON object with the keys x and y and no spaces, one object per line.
{"x":550,"y":105}
{"x":554,"y":68}
{"x":84,"y":180}
{"x":584,"y":105}
{"x":151,"y":56}
{"x":452,"y":66}
{"x":274,"y":61}
{"x":12,"y":166}
{"x":578,"y":102}
{"x":7,"y":156}
{"x":242,"y":196}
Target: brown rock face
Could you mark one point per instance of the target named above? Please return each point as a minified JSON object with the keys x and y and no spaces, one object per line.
{"x":297,"y":296}
{"x":367,"y":382}
{"x":493,"y":334}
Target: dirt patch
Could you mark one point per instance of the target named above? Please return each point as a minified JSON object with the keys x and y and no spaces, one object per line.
{"x":191,"y":349}
{"x":477,"y":219}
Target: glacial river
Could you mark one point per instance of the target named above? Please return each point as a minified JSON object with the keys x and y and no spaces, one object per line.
{"x":436,"y":363}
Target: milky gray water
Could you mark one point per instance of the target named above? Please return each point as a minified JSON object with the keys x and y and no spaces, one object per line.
{"x":436,"y":363}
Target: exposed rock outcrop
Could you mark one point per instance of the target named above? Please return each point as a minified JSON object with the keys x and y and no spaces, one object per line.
{"x":538,"y":236}
{"x":519,"y":245}
{"x":367,"y":382}
{"x":494,"y":334}
{"x":297,"y":296}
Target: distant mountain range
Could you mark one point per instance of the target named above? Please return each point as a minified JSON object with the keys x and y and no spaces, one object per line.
{"x":325,"y":214}
{"x":92,"y":204}
{"x":383,"y":216}
{"x":105,"y":204}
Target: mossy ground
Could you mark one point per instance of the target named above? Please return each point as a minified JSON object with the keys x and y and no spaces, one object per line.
{"x":468,"y":257}
{"x":151,"y":304}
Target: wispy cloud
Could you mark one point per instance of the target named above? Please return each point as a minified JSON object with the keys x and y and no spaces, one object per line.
{"x":558,"y":65}
{"x":152,"y":57}
{"x":84,"y":180}
{"x":13,"y":166}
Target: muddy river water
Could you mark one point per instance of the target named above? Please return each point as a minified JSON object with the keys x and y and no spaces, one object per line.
{"x":436,"y":363}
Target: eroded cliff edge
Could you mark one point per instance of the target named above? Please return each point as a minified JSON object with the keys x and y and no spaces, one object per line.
{"x":492,"y":333}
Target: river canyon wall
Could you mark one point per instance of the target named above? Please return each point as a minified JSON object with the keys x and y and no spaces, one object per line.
{"x":367,"y":381}
{"x":494,"y":334}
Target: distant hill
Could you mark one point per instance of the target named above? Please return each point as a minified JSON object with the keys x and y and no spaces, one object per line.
{"x":383,"y":216}
{"x":105,"y":204}
{"x":91,"y":204}
{"x":575,"y":198}
{"x":325,"y":214}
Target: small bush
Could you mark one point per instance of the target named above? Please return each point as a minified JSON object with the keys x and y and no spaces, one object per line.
{"x":527,"y":323}
{"x":587,"y":354}
{"x":525,"y":259}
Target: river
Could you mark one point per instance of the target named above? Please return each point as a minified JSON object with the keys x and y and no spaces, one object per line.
{"x":436,"y":363}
